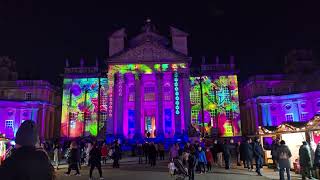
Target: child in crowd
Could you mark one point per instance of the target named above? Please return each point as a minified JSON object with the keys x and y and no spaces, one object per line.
{"x":209,"y":159}
{"x":171,"y":167}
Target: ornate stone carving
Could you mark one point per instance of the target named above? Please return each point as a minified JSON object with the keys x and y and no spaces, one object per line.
{"x":149,"y":52}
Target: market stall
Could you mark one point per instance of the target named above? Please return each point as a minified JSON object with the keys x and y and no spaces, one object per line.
{"x":3,"y":149}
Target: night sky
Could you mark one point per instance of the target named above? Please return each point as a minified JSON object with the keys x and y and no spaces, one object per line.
{"x":40,"y":35}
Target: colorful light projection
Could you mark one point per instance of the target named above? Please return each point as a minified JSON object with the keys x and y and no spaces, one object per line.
{"x":220,"y":102}
{"x":176,"y":93}
{"x":144,"y":68}
{"x":80,"y":106}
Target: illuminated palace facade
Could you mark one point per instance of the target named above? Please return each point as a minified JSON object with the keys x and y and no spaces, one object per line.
{"x":148,"y":91}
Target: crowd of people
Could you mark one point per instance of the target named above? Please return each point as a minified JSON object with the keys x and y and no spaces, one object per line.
{"x":29,"y":158}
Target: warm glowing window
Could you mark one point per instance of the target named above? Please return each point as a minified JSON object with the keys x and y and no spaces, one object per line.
{"x":149,"y":97}
{"x":9,"y":124}
{"x":149,"y":94}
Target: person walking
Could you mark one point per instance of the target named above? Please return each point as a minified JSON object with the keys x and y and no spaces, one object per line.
{"x":191,"y":165}
{"x":202,"y":160}
{"x":284,"y":155}
{"x":305,"y":160}
{"x":214,"y":151}
{"x":95,"y":160}
{"x":139,"y":152}
{"x":146,"y":151}
{"x":73,"y":159}
{"x":209,"y":159}
{"x":258,"y":154}
{"x":226,"y":154}
{"x":161,"y":151}
{"x":274,"y":149}
{"x":104,"y":153}
{"x":56,"y":153}
{"x":173,"y":152}
{"x":152,"y":154}
{"x":116,"y":155}
{"x":238,"y":156}
{"x":248,"y":154}
{"x":317,"y":159}
{"x":27,"y":160}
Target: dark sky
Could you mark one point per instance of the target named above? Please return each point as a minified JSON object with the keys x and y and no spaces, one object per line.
{"x":40,"y":35}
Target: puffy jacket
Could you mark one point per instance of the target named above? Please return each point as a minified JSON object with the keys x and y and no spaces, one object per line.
{"x":95,"y":156}
{"x":202,"y":157}
{"x":27,"y":163}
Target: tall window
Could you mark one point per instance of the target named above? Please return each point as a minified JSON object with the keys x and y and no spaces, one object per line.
{"x":131,"y":96}
{"x":167,"y":93}
{"x":194,"y":114}
{"x":73,"y":124}
{"x":229,"y":115}
{"x":28,"y":96}
{"x":269,"y":90}
{"x":289,"y":117}
{"x":103,"y":116}
{"x":9,"y":124}
{"x":195,"y":96}
{"x":149,"y":94}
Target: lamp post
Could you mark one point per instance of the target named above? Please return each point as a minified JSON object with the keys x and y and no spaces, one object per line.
{"x":201,"y":101}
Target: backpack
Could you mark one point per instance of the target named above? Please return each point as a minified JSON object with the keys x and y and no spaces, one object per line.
{"x":283,"y":155}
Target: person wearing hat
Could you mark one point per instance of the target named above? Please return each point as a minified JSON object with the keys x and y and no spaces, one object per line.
{"x":28,"y":161}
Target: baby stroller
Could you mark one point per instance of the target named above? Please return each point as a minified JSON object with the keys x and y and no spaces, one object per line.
{"x":181,"y":172}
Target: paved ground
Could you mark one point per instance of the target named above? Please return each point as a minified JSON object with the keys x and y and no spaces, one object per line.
{"x":130,"y":170}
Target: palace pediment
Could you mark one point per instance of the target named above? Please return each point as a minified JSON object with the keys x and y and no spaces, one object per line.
{"x":149,"y":52}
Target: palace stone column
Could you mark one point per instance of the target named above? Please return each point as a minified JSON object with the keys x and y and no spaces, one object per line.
{"x":137,"y":105}
{"x":119,"y":102}
{"x":185,"y":106}
{"x":159,"y":121}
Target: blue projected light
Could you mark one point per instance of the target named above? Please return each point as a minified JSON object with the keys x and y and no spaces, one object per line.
{"x":176,"y":89}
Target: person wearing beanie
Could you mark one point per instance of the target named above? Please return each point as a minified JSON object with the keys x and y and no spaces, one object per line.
{"x":27,"y":161}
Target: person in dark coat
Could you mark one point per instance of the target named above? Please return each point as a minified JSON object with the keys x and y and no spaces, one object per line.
{"x":258,"y":155}
{"x":238,"y":156}
{"x":284,"y":155}
{"x":316,"y":161}
{"x":139,"y":152}
{"x":161,"y":151}
{"x":226,"y":154}
{"x":274,"y":149}
{"x":214,"y":151}
{"x":73,"y":159}
{"x":146,"y":151}
{"x":116,"y":155}
{"x":191,"y":165}
{"x":242,"y":154}
{"x":152,"y":154}
{"x":248,"y":154}
{"x":305,"y":160}
{"x":95,"y":160}
{"x":27,"y":161}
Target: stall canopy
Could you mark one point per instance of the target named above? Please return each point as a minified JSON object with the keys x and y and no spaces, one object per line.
{"x":292,"y":127}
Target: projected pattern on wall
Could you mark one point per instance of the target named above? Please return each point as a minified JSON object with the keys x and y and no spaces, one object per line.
{"x":221,"y":104}
{"x":80,"y":106}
